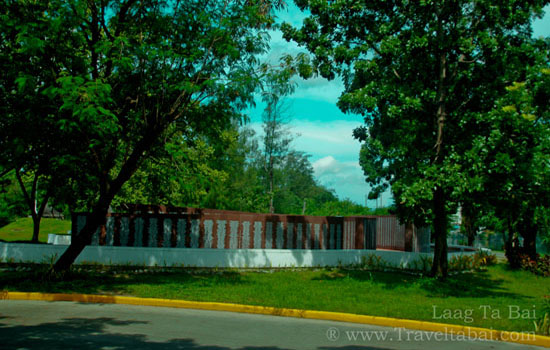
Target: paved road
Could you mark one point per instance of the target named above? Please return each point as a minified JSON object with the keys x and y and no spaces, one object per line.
{"x":68,"y":325}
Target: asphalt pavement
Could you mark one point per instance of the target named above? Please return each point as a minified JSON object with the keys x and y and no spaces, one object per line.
{"x":70,"y":325}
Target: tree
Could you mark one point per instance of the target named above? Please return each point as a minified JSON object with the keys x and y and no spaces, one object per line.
{"x":227,"y":173}
{"x":142,"y":71}
{"x":276,"y":140}
{"x":242,"y":187}
{"x":469,"y":225}
{"x":515,"y":150}
{"x":12,"y":203}
{"x":297,"y":190}
{"x":176,"y":174}
{"x":33,"y":148}
{"x":420,"y":72}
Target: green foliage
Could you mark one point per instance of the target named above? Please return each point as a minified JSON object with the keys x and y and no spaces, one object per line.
{"x":512,"y":152}
{"x":33,"y":146}
{"x":483,"y":258}
{"x":423,"y":264}
{"x":229,"y":173}
{"x":12,"y":203}
{"x":373,"y":262}
{"x":461,"y":262}
{"x":405,"y":296}
{"x":120,"y":80}
{"x":177,"y":174}
{"x":423,"y":74}
{"x":295,"y":184}
{"x":542,"y":324}
{"x":539,"y":266}
{"x":345,"y":207}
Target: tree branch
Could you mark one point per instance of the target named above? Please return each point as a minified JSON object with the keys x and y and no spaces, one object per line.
{"x":24,"y":190}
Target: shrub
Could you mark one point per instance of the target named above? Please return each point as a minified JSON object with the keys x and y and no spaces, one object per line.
{"x":484,"y":258}
{"x":539,"y":266}
{"x":373,"y":262}
{"x":461,"y":263}
{"x":542,"y":325}
{"x":423,"y":264}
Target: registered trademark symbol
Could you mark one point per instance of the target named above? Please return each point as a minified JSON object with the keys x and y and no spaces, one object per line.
{"x":333,"y":334}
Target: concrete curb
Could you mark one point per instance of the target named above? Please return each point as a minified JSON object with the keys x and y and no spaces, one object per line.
{"x":462,"y":331}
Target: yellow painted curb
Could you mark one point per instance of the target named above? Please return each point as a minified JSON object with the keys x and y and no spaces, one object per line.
{"x":456,"y":330}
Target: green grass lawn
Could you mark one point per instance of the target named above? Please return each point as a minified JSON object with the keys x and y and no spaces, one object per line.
{"x":360,"y":292}
{"x":21,"y":229}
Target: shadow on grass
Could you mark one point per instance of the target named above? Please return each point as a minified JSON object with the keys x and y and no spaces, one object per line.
{"x":477,"y":284}
{"x":468,"y":285}
{"x":389,"y":280}
{"x":121,"y":281}
{"x":92,"y":334}
{"x":28,"y":241}
{"x":109,"y":282}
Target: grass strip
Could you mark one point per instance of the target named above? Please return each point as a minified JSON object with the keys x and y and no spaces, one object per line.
{"x":21,"y":229}
{"x":497,"y":298}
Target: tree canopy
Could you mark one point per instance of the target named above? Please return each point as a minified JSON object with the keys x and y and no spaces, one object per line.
{"x":128,"y":75}
{"x":422,"y":73}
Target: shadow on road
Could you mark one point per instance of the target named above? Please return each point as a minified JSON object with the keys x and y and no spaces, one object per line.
{"x":91,"y":334}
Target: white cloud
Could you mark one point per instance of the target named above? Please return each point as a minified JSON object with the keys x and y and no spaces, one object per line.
{"x":320,"y":139}
{"x":319,"y":88}
{"x":327,"y":138}
{"x":334,"y":155}
{"x":324,"y":165}
{"x":278,"y":47}
{"x":328,"y":169}
{"x":316,"y":88}
{"x":346,"y":178}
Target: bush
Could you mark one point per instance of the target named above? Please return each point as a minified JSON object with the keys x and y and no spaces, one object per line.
{"x":424,"y":264}
{"x":461,"y":263}
{"x":12,"y":202}
{"x":484,"y":258}
{"x":373,"y":262}
{"x":539,"y":266}
{"x":542,"y":325}
{"x":470,"y":262}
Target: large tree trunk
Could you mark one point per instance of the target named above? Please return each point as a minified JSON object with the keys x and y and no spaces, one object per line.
{"x":530,"y":244}
{"x":35,"y":228}
{"x":509,"y":249}
{"x":84,"y":237}
{"x":439,"y":267}
{"x":468,"y":227}
{"x":108,"y":191}
{"x":528,"y":230}
{"x":471,"y":240}
{"x":440,"y":263}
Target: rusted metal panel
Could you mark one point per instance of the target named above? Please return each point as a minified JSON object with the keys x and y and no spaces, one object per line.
{"x":161,"y":226}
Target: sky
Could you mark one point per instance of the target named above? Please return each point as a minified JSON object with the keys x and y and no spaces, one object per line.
{"x":321,"y":129}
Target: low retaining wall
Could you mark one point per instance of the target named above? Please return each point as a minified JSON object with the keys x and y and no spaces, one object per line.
{"x":226,"y":258}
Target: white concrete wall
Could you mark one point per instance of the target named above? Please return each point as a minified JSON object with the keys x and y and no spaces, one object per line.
{"x":241,"y":258}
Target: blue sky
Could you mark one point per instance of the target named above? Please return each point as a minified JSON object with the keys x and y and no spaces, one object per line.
{"x":323,"y":131}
